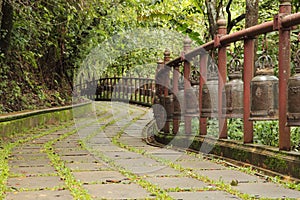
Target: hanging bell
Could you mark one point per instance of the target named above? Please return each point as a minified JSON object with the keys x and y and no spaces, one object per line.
{"x":293,"y":115}
{"x":192,"y":107}
{"x":210,"y":92}
{"x":176,"y":104}
{"x":233,"y":99}
{"x":168,"y":105}
{"x":264,"y":91}
{"x":159,"y":114}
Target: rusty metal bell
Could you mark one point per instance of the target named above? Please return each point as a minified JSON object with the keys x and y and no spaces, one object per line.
{"x":192,"y":106}
{"x":210,"y":93}
{"x":233,"y":96}
{"x":168,"y":105}
{"x":177,"y":108}
{"x":293,"y":115}
{"x":264,"y":91}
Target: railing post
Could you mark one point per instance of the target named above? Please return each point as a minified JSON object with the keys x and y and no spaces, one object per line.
{"x":284,"y":74}
{"x":125,"y":88}
{"x":135,"y":89}
{"x":222,"y":30}
{"x":166,"y":86}
{"x":248,"y":75}
{"x":176,"y":104}
{"x":187,"y":85}
{"x":202,"y":80}
{"x":93,"y":87}
{"x":145,"y":90}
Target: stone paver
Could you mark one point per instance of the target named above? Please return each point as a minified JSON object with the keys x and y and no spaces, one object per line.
{"x":80,"y":158}
{"x":71,"y":151}
{"x":117,"y":191}
{"x":99,"y":176}
{"x":176,"y":182}
{"x":122,"y":155}
{"x":35,"y":182}
{"x":32,"y":171}
{"x":267,"y":190}
{"x":87,"y":166}
{"x":227,"y":175}
{"x":30,"y":163}
{"x":40,"y":195}
{"x":26,"y":151}
{"x":203,"y":195}
{"x":200,"y":164}
{"x":161,"y":171}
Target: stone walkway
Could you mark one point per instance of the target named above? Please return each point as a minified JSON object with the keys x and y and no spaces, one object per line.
{"x":105,"y":157}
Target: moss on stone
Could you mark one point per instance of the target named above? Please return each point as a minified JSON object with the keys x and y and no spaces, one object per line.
{"x":21,"y":123}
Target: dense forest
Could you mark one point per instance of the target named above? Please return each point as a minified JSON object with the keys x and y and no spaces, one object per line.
{"x":43,"y":43}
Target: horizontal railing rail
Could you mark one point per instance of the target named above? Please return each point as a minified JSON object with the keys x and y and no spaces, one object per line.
{"x":248,"y":33}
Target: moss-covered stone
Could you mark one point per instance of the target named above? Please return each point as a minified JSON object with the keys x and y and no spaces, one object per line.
{"x":22,"y":122}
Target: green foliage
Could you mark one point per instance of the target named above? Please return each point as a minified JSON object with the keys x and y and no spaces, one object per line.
{"x":213,"y":127}
{"x":235,"y":129}
{"x":266,"y":132}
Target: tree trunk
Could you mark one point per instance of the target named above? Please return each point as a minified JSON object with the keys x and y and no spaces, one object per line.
{"x":212,"y":15}
{"x":252,"y":20}
{"x":251,"y":13}
{"x":214,"y":8}
{"x":6,"y":26}
{"x":1,"y":2}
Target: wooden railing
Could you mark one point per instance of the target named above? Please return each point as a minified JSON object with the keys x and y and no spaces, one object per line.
{"x":126,"y":89}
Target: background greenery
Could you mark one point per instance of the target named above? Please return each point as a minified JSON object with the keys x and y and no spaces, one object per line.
{"x":43,"y":43}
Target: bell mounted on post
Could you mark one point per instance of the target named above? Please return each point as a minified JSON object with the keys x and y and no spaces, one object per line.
{"x":192,"y":108}
{"x":264,"y":91}
{"x":233,"y":91}
{"x":159,"y":113}
{"x":210,"y":92}
{"x":293,"y":115}
{"x":192,"y":93}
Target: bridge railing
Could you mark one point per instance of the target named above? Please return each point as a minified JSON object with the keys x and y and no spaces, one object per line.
{"x":181,"y":66}
{"x":126,"y":89}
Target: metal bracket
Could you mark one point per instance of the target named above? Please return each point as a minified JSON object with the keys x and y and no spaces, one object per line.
{"x":217,"y":40}
{"x":277,"y":22}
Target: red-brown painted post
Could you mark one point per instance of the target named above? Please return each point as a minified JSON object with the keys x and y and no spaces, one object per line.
{"x":203,"y":79}
{"x":123,"y":83}
{"x":166,"y":85}
{"x":158,"y":87}
{"x":248,"y":75}
{"x":176,"y":119}
{"x":187,"y":85}
{"x":135,"y":89}
{"x":222,"y":30}
{"x":284,"y":74}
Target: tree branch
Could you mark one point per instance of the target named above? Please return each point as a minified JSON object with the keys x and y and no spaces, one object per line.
{"x":235,"y":21}
{"x":228,"y":12}
{"x":211,"y":14}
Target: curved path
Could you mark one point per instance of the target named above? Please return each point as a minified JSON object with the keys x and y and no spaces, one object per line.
{"x":103,"y":156}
